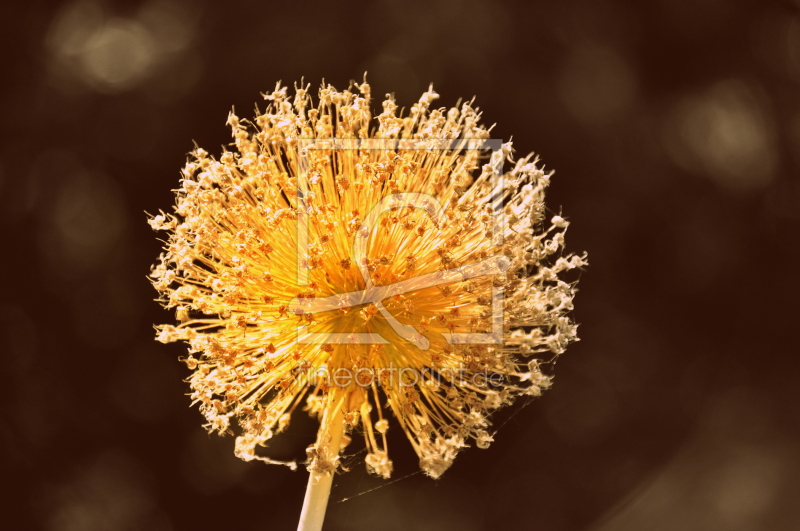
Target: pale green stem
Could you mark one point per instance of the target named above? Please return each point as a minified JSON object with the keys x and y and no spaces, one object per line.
{"x":318,"y":491}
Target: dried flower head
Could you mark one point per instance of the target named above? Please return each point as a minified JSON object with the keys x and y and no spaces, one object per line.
{"x":427,"y":280}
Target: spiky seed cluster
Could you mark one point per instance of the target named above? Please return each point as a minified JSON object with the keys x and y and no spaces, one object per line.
{"x":230,"y":270}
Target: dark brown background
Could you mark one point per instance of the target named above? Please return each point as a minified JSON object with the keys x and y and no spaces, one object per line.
{"x":674,"y":127}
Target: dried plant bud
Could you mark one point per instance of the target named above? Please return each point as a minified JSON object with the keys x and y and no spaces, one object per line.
{"x":452,"y":253}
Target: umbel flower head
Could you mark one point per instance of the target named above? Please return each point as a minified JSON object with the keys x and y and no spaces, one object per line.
{"x":374,"y":271}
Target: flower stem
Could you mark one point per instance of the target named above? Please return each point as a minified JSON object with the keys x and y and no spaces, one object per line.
{"x":329,"y":443}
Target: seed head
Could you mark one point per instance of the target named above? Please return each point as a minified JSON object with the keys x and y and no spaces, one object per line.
{"x":322,"y":226}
